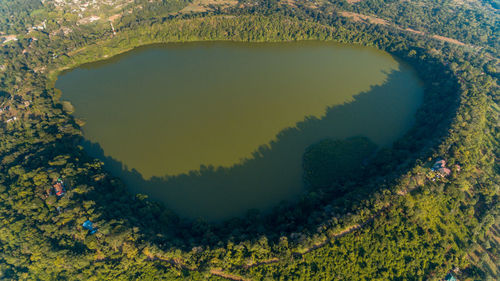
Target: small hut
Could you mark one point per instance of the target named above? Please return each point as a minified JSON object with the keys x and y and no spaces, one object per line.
{"x":89,"y":226}
{"x":59,"y":188}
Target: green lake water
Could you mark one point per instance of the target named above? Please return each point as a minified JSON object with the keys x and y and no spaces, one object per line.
{"x":215,"y":129}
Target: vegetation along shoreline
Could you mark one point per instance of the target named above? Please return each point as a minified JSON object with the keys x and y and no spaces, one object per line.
{"x":402,"y":218}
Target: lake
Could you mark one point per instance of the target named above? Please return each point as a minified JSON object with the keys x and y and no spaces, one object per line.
{"x":215,"y":129}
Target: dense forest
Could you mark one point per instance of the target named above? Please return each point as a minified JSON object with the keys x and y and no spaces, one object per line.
{"x":397,"y":219}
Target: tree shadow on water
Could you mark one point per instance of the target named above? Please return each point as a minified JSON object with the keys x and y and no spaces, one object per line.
{"x":274,"y":172}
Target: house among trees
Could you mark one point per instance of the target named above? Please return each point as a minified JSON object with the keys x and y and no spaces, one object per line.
{"x":88,"y":225}
{"x":59,"y":188}
{"x":440,"y":168}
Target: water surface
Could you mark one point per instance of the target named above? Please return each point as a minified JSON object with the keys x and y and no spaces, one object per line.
{"x":214,"y":129}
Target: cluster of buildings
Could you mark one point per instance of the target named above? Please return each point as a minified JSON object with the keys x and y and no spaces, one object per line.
{"x":441,"y":170}
{"x":59,"y":189}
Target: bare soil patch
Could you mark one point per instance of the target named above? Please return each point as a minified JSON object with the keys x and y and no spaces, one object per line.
{"x":414,"y":31}
{"x":8,"y":38}
{"x":288,"y":2}
{"x":198,"y":6}
{"x":446,"y":39}
{"x":374,"y":20}
{"x":88,"y":20}
{"x":114,"y":17}
{"x":220,"y":273}
{"x":363,"y":18}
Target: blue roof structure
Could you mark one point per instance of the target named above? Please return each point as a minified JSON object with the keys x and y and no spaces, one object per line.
{"x":89,"y":226}
{"x":450,"y":277}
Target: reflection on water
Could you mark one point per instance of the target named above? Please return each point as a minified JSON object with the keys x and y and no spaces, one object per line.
{"x":214,"y":104}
